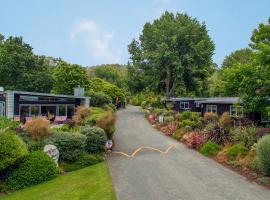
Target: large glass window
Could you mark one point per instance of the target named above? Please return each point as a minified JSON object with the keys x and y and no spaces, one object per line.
{"x":184,"y":105}
{"x":236,"y":111}
{"x":211,"y":108}
{"x":70,"y":110}
{"x":34,"y":111}
{"x":62,"y":110}
{"x":24,"y":111}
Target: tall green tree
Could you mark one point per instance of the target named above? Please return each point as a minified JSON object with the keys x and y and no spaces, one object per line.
{"x":174,"y":53}
{"x":20,"y":69}
{"x":257,"y":85}
{"x":241,"y":56}
{"x":67,"y":77}
{"x":113,"y":73}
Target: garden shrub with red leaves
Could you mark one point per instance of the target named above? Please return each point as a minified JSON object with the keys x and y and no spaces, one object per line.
{"x":151,"y":119}
{"x":169,"y":129}
{"x":218,"y":135}
{"x":260,"y":132}
{"x":195,"y":140}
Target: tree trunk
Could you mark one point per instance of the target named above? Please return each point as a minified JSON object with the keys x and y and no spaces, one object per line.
{"x":168,"y":81}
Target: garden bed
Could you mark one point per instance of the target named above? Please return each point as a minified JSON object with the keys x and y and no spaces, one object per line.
{"x":235,"y":147}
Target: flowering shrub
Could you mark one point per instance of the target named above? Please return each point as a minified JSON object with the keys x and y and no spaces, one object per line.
{"x":195,"y":140}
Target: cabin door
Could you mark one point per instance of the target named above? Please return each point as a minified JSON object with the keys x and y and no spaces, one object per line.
{"x":2,"y":108}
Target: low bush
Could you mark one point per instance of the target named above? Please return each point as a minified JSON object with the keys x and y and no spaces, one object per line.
{"x":168,"y":119}
{"x":6,"y":123}
{"x":178,"y":134}
{"x":107,"y":122}
{"x":263,"y":153}
{"x":12,"y":149}
{"x":210,"y":117}
{"x":235,"y":151}
{"x":96,"y":139}
{"x":210,"y":148}
{"x":32,"y":145}
{"x":37,"y":128}
{"x":195,"y":140}
{"x":83,"y":161}
{"x":225,"y":121}
{"x":99,"y":99}
{"x":82,"y":112}
{"x":70,"y":123}
{"x":244,"y":135}
{"x":260,"y":132}
{"x":37,"y":167}
{"x":70,"y":145}
{"x":110,"y":107}
{"x":192,"y":119}
{"x":144,"y":104}
{"x":95,"y":114}
{"x":218,"y":135}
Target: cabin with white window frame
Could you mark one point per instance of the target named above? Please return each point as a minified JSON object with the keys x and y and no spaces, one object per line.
{"x":20,"y":105}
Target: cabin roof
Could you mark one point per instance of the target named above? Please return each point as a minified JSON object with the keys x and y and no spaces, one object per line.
{"x":222,"y":100}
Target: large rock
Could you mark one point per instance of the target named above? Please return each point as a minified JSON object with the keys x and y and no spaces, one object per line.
{"x":52,"y":151}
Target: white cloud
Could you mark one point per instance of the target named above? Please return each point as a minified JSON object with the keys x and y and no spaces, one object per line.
{"x":97,"y":42}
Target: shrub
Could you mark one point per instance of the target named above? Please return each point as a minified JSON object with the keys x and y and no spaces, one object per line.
{"x":225,"y":121}
{"x":82,"y":112}
{"x":99,"y":99}
{"x":37,"y":167}
{"x":32,"y":145}
{"x":168,"y":119}
{"x":107,"y":121}
{"x":110,"y":107}
{"x":245,"y":135}
{"x":218,"y":135}
{"x":6,"y":123}
{"x":210,"y":148}
{"x":260,"y":132}
{"x":144,"y":104}
{"x":210,"y":117}
{"x":263,"y":153}
{"x":37,"y":128}
{"x":70,"y":145}
{"x":70,"y":123}
{"x":83,"y":161}
{"x":178,"y":134}
{"x":195,"y":140}
{"x":12,"y":149}
{"x":236,"y":150}
{"x":95,"y":114}
{"x":192,"y":119}
{"x":96,"y":139}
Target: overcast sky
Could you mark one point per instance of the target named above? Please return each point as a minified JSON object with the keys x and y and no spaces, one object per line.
{"x":92,"y":32}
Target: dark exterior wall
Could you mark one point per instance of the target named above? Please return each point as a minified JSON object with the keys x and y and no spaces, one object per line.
{"x":2,"y":97}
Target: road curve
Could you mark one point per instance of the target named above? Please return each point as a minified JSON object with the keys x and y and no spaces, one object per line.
{"x":178,"y":174}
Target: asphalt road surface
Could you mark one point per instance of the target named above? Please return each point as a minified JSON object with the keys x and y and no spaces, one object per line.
{"x":176,"y":174}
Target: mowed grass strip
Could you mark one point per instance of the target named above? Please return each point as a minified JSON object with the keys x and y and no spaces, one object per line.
{"x":93,"y":183}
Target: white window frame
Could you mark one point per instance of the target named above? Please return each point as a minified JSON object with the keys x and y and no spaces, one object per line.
{"x":209,"y":108}
{"x":184,"y":105}
{"x":236,"y":111}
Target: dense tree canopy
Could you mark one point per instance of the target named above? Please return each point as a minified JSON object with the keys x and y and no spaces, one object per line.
{"x":112,"y":73}
{"x":100,"y":85}
{"x":20,"y":69}
{"x":67,"y":77}
{"x":174,"y":53}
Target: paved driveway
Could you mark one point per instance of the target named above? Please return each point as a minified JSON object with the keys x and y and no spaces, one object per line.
{"x":181,"y":174}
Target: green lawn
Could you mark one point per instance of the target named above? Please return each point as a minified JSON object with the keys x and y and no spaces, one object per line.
{"x":93,"y":183}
